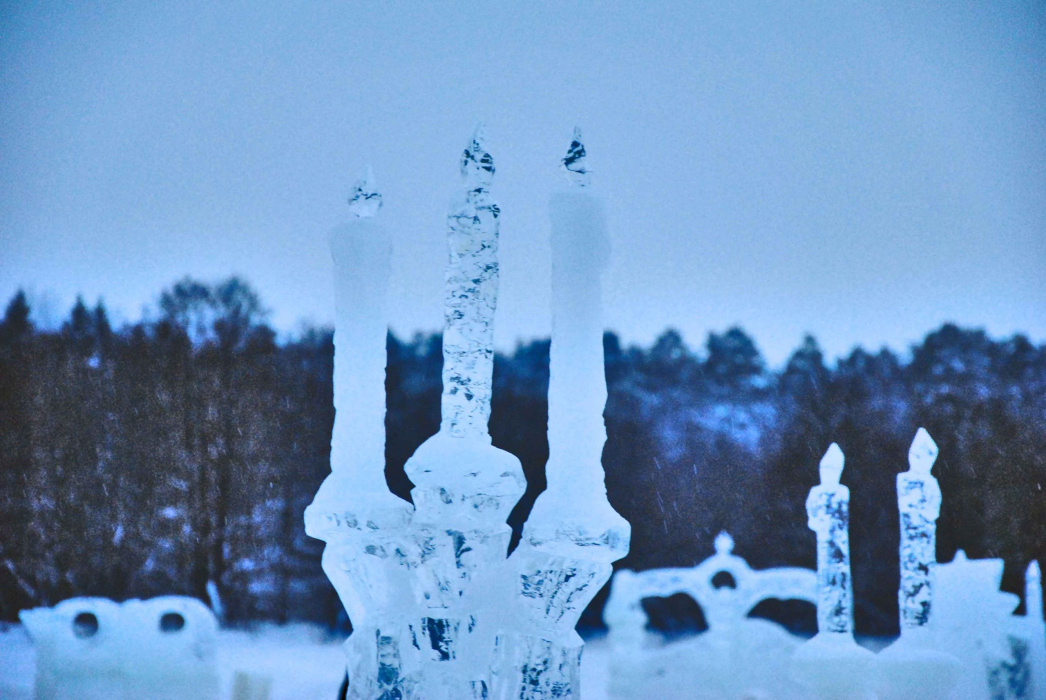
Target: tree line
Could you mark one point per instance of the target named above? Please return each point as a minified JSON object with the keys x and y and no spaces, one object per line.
{"x":177,"y":455}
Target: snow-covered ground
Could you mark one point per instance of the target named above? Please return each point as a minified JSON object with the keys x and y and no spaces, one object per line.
{"x":302,"y":661}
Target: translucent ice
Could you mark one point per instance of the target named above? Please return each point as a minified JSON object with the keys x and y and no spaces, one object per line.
{"x":573,"y":534}
{"x":365,"y":200}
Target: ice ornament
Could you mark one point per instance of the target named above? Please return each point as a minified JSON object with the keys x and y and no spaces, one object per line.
{"x":737,"y":657}
{"x":94,"y":648}
{"x":439,"y":610}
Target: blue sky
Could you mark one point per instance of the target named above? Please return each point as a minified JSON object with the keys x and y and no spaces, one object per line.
{"x":861,"y":171}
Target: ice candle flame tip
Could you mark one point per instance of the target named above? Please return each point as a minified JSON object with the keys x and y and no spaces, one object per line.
{"x":365,"y":200}
{"x":575,"y":164}
{"x":832,"y":465}
{"x":923,"y":452}
{"x":477,"y":165}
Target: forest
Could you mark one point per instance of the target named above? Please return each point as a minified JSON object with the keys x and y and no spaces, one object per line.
{"x":180,"y":451}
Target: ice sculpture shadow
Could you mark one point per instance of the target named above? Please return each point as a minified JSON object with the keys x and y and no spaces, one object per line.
{"x":738,"y":657}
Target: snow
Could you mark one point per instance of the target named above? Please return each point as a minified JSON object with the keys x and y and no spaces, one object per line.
{"x":303,"y":662}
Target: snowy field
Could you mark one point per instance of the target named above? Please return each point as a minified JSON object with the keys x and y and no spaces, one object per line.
{"x":303,"y":662}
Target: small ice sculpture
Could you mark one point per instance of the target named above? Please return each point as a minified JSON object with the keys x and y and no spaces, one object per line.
{"x":919,"y":503}
{"x":828,"y":510}
{"x":354,"y":511}
{"x":913,"y":666}
{"x":438,"y":610}
{"x":573,"y":535}
{"x":93,"y":648}
{"x":832,"y":664}
{"x":997,"y":649}
{"x":1033,"y":628}
{"x":738,"y":657}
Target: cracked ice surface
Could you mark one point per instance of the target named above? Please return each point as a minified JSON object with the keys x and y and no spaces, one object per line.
{"x":471,"y":297}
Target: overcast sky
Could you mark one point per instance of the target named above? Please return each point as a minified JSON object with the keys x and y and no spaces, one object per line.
{"x":860,"y":171}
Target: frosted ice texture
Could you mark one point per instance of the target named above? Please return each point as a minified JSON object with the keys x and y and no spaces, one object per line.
{"x":471,"y":295}
{"x":738,"y":657}
{"x":919,"y":503}
{"x":362,"y":259}
{"x":972,"y":619}
{"x":828,"y":512}
{"x":94,"y":648}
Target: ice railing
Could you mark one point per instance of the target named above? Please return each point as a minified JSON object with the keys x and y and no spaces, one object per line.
{"x":737,"y":656}
{"x":959,"y":637}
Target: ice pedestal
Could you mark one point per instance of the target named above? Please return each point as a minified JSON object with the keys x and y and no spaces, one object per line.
{"x":562,"y":562}
{"x":439,"y":611}
{"x":93,"y":648}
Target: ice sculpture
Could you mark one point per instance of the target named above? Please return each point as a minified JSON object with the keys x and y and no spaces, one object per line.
{"x":438,"y":609}
{"x":831,"y":664}
{"x":738,"y":657}
{"x":996,"y":648}
{"x":1033,"y":628}
{"x":93,"y":648}
{"x":913,"y":666}
{"x":573,"y":535}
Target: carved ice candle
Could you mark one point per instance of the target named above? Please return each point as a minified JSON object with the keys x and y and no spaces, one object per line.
{"x":471,"y":297}
{"x":919,"y":503}
{"x":362,"y":257}
{"x":1037,"y":628}
{"x":828,"y":510}
{"x":577,"y":390}
{"x":831,"y":664}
